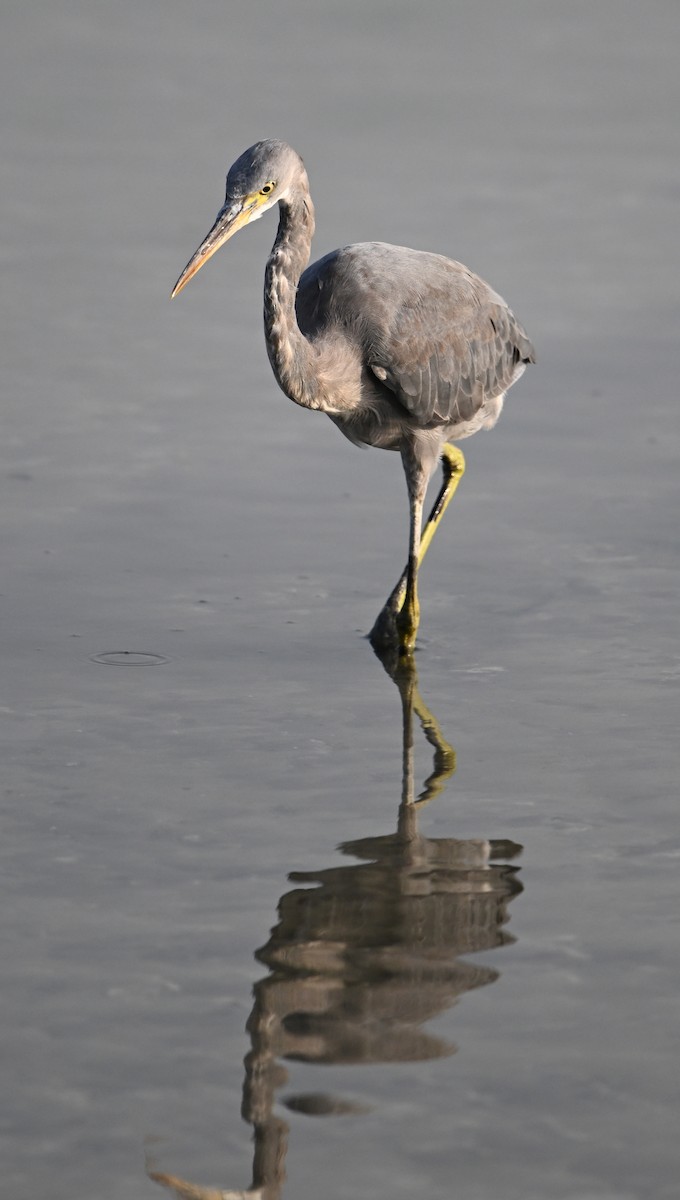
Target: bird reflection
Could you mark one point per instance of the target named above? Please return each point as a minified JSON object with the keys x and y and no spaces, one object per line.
{"x":364,"y":954}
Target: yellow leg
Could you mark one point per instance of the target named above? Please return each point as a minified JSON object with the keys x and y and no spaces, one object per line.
{"x":453,"y":468}
{"x":408,"y":614}
{"x":398,"y":621}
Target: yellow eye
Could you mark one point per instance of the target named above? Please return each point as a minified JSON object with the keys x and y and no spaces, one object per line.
{"x":268,"y":187}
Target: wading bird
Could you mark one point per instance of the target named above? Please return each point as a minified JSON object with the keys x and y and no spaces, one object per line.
{"x":403,"y":349}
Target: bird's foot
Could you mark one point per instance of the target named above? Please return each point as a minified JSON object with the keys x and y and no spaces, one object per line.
{"x":407,"y":628}
{"x":394,"y":632}
{"x":384,"y":636}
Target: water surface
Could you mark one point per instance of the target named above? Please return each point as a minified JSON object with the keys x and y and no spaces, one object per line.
{"x":209,"y":879}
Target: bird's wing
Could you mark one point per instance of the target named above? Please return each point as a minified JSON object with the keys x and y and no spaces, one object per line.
{"x":432,"y":332}
{"x":445,"y":353}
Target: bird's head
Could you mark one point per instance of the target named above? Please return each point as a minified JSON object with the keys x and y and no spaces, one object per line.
{"x":260,"y":178}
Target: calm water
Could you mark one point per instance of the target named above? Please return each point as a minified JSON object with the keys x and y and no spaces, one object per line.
{"x":215,"y":903}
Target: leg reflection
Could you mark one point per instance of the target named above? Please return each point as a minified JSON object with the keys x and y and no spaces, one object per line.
{"x":364,"y":954}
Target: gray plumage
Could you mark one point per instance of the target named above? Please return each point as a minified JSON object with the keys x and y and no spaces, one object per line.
{"x":403,"y":349}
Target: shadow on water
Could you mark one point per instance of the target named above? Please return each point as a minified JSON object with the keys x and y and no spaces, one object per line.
{"x":364,"y":954}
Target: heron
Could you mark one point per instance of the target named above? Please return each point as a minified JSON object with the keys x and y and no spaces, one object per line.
{"x":403,"y":349}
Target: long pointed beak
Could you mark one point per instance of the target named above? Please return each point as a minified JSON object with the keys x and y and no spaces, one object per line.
{"x":229,"y":220}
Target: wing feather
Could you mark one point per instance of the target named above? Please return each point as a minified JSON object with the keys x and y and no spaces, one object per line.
{"x":436,"y":335}
{"x":444,"y":360}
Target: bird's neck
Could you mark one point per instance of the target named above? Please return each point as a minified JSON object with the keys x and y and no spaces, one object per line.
{"x":292,"y":357}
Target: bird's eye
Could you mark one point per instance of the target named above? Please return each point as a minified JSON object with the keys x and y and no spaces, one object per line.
{"x":268,"y":187}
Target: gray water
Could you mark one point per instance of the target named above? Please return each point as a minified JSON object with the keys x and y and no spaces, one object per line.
{"x":202,"y":757}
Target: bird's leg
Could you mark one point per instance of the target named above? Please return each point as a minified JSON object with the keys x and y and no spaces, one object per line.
{"x":386,"y":630}
{"x":408,"y":616}
{"x":453,"y":468}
